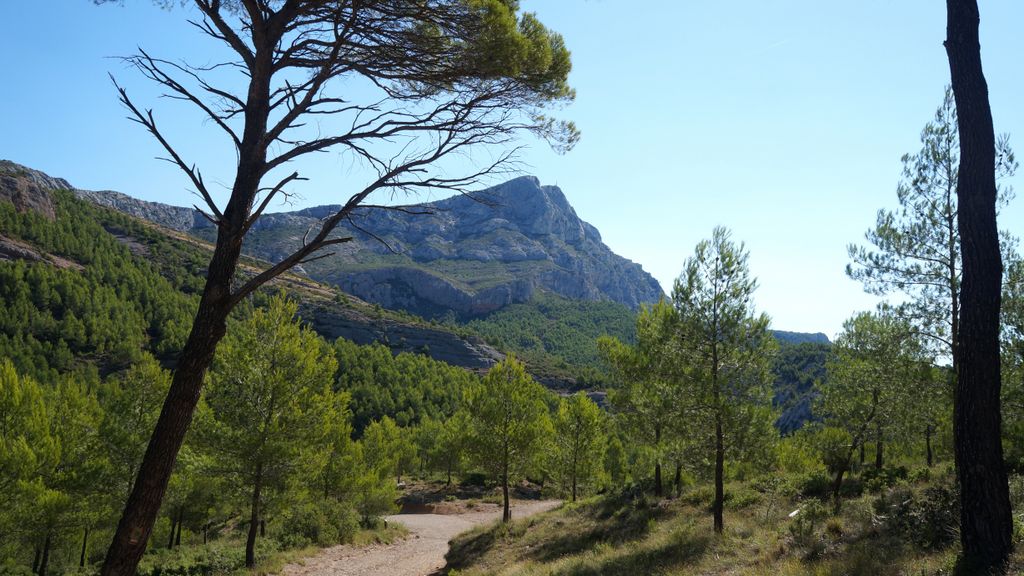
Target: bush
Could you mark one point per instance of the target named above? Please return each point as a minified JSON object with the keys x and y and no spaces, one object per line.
{"x":741,"y":497}
{"x":803,"y":528}
{"x":214,"y":558}
{"x":814,"y":485}
{"x":930,"y":518}
{"x":922,"y":474}
{"x":474,"y":479}
{"x":702,"y":495}
{"x":876,"y":480}
{"x":322,"y":523}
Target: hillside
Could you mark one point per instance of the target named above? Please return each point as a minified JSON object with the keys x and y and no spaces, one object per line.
{"x":88,"y":286}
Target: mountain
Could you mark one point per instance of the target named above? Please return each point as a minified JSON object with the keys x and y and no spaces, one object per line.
{"x":467,"y":255}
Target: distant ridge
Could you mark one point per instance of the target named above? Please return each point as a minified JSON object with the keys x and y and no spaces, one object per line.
{"x":800,"y":337}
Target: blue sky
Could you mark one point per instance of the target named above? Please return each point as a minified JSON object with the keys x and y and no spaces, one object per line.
{"x":783,"y":120}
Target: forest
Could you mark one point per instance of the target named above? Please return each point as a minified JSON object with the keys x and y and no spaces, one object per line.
{"x":166,"y":409}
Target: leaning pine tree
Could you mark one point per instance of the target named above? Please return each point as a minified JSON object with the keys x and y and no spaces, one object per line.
{"x":402,"y":84}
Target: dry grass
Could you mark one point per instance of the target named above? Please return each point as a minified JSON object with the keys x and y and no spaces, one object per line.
{"x":628,"y":537}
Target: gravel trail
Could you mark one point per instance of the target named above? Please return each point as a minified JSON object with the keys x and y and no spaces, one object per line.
{"x":421,"y":553}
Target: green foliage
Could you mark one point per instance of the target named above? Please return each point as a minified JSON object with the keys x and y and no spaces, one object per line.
{"x":131,"y":405}
{"x":929,"y":518}
{"x":213,"y":559}
{"x":917,"y":248}
{"x":877,"y":479}
{"x":557,"y":337}
{"x":578,"y":444}
{"x":389,"y":449}
{"x":27,"y":446}
{"x":648,"y":401}
{"x":877,"y":380}
{"x":834,"y":446}
{"x":508,"y":421}
{"x":727,"y":353}
{"x":405,"y":388}
{"x":267,"y":420}
{"x":96,"y":300}
{"x":323,"y":522}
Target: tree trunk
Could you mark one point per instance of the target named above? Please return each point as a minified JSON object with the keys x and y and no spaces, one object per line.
{"x":254,"y":519}
{"x":658,"y":489}
{"x":177,"y":536}
{"x":986,"y":523}
{"x":143,"y":505}
{"x":862,"y":454}
{"x":679,"y":479}
{"x":928,"y":444}
{"x":36,"y":558}
{"x":263,"y":527}
{"x":837,"y":486}
{"x":879,"y":446}
{"x":719,"y":504}
{"x":170,"y":537}
{"x":45,"y":560}
{"x":506,"y":513}
{"x":85,"y":547}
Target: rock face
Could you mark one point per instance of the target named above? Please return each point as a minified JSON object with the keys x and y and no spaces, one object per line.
{"x":467,"y":255}
{"x":463,"y":255}
{"x":28,"y":189}
{"x":173,"y":217}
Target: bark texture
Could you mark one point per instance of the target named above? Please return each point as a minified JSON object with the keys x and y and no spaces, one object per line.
{"x":985,"y":519}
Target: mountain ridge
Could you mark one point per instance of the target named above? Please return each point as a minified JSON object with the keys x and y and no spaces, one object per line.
{"x":471,"y":254}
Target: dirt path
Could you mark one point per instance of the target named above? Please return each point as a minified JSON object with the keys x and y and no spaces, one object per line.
{"x":419,"y":554}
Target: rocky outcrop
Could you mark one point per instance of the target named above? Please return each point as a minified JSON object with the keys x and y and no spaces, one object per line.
{"x":27,"y":189}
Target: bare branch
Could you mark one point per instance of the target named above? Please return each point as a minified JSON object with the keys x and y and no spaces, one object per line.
{"x":147,"y":120}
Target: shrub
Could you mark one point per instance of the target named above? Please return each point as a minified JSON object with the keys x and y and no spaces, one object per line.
{"x":929,"y":519}
{"x":876,"y":480}
{"x":213,"y":559}
{"x":474,"y":479}
{"x":803,"y":528}
{"x":322,"y":523}
{"x":922,"y":474}
{"x":814,"y":485}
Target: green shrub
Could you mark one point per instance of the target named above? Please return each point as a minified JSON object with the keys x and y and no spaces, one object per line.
{"x":741,"y":497}
{"x":814,"y":485}
{"x":213,"y":559}
{"x":922,"y":474}
{"x":322,"y":523}
{"x":474,"y":479}
{"x":803,"y":529}
{"x":876,"y":480}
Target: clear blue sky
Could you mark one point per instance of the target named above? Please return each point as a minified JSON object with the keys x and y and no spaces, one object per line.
{"x":782,"y":120}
